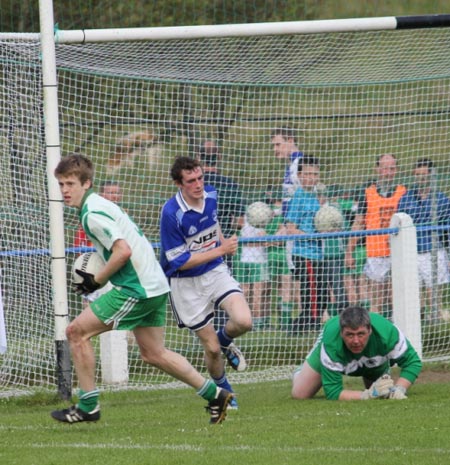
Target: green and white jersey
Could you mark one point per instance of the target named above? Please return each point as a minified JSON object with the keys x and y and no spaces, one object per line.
{"x":104,"y":223}
{"x":386,"y":347}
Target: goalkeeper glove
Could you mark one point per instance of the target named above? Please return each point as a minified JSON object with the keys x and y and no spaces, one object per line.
{"x":380,"y":389}
{"x":88,"y":285}
{"x":398,"y":393}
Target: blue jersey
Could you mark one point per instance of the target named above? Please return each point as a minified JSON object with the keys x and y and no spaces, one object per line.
{"x":421,"y":211}
{"x":302,"y":209}
{"x":185,"y":231}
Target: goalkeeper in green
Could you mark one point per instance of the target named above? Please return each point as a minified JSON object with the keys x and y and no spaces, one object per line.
{"x":358,"y":343}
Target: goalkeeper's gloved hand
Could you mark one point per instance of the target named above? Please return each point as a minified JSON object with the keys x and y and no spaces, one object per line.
{"x":88,"y":285}
{"x":380,"y":389}
{"x":398,"y":393}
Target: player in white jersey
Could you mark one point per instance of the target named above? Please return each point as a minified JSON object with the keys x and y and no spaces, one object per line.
{"x":136,"y":302}
{"x":192,"y":251}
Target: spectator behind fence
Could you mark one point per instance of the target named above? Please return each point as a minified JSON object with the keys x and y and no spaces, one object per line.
{"x":252,"y":272}
{"x":284,"y":143}
{"x":427,"y":206}
{"x":307,"y":255}
{"x":375,"y":209}
{"x":280,"y":284}
{"x":230,"y":202}
{"x":333,"y":256}
{"x":355,"y":280}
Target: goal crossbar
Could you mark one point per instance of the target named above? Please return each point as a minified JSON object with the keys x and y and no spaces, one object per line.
{"x":242,"y":30}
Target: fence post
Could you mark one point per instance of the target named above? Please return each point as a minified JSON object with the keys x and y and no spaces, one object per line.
{"x":405,"y":279}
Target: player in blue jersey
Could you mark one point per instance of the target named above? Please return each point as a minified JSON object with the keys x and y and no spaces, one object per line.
{"x":192,"y":251}
{"x":137,"y":300}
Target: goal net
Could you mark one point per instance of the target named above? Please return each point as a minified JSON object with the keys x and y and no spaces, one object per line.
{"x":344,"y":97}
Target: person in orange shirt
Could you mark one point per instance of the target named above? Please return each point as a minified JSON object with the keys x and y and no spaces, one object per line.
{"x":378,"y":204}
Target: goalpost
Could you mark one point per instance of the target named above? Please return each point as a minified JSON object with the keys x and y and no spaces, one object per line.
{"x":133,"y":99}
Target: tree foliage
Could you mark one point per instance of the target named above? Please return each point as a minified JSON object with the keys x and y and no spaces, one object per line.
{"x":23,"y":16}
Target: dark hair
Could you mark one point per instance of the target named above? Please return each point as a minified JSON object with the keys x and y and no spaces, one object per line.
{"x":354,"y":317}
{"x":109,"y":182}
{"x":425,"y":162}
{"x":183,"y":163}
{"x":308,"y":160}
{"x":208,"y":155}
{"x":77,"y":165}
{"x":285,"y":132}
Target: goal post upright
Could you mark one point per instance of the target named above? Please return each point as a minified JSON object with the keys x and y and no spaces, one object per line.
{"x":56,"y":215}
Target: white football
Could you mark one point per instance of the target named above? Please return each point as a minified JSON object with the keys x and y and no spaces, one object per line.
{"x":259,"y":214}
{"x":89,"y":262}
{"x":329,"y":219}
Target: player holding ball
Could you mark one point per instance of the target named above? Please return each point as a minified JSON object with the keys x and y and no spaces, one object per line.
{"x":137,"y":301}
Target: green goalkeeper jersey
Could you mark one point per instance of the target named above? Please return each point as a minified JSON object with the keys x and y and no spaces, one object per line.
{"x":105,"y":222}
{"x":386,"y":346}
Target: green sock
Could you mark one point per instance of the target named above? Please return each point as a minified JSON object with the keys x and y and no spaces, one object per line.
{"x":88,"y":400}
{"x":286,"y":314}
{"x":208,"y":391}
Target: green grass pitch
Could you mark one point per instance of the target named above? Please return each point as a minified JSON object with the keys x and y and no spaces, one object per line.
{"x":170,"y":427}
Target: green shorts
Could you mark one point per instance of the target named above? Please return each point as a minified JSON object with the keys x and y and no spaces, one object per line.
{"x":278,"y":262}
{"x":126,"y":312}
{"x":359,"y":254}
{"x":246,"y":273}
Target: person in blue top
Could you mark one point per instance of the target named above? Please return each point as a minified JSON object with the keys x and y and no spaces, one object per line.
{"x":192,"y":251}
{"x":307,"y":254}
{"x":285,"y":147}
{"x":427,"y":206}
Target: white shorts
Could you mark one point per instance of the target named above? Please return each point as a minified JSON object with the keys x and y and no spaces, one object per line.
{"x":425,"y":268}
{"x":195,"y":299}
{"x":378,"y":268}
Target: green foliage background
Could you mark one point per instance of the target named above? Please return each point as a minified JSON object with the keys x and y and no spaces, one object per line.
{"x":78,"y":14}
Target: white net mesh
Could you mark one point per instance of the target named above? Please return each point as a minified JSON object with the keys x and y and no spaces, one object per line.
{"x":132,"y":107}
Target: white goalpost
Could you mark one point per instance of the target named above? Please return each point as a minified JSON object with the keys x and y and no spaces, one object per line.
{"x":133,"y":99}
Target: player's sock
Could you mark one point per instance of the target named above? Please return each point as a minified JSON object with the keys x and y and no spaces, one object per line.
{"x":224,"y":339}
{"x":208,"y":391}
{"x":223,"y":382}
{"x":88,"y":400}
{"x":286,"y":315}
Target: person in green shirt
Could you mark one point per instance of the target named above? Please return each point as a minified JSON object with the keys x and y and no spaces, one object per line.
{"x":358,"y":343}
{"x":136,"y":302}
